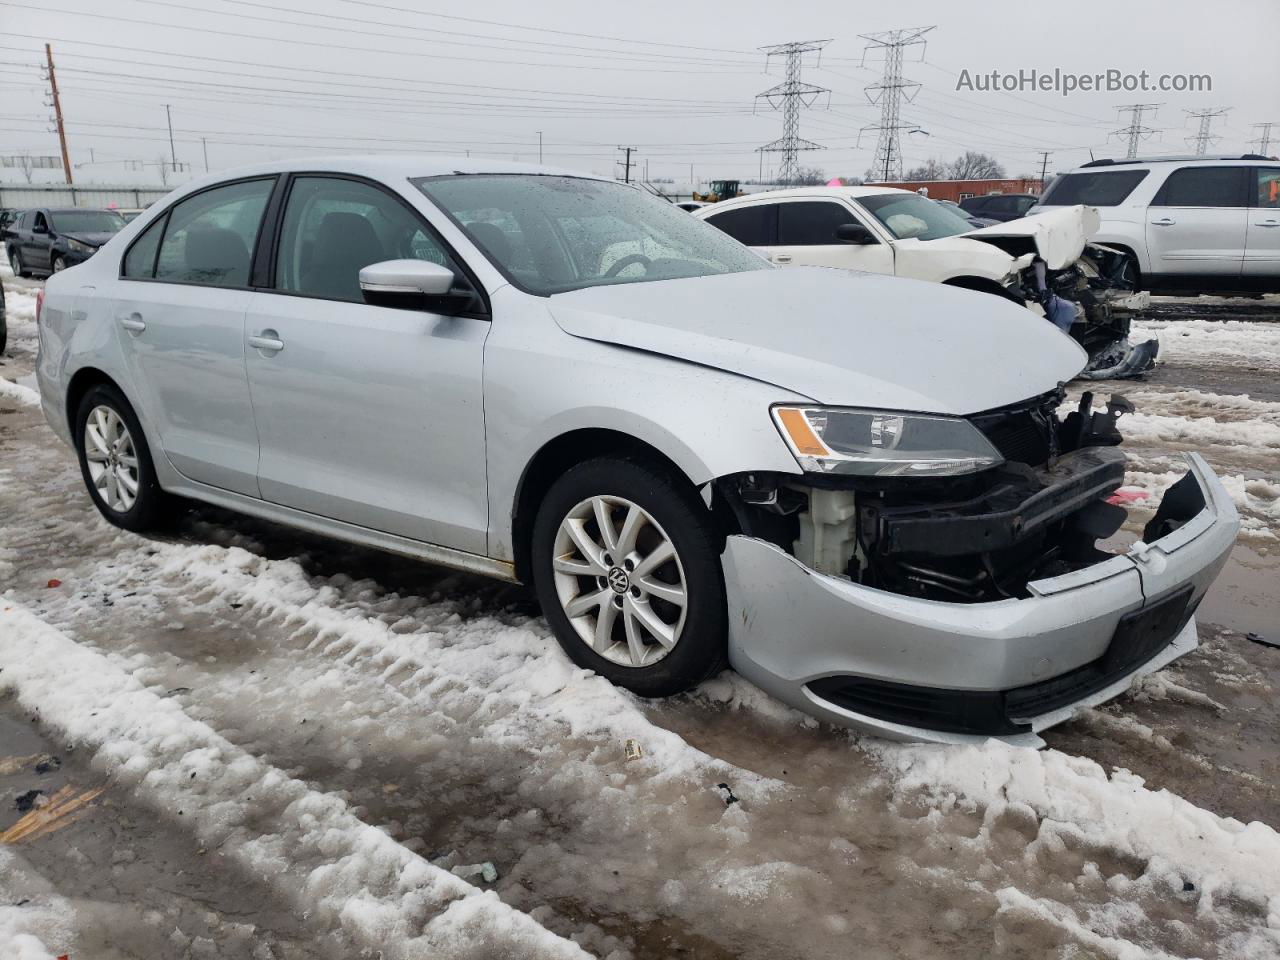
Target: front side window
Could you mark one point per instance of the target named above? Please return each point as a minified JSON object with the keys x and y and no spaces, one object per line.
{"x":333,"y":227}
{"x":1093,"y":189}
{"x":40,"y":225}
{"x":210,"y":237}
{"x":753,"y":225}
{"x":87,"y":221}
{"x":552,"y":234}
{"x":1203,"y":187}
{"x":1268,"y":187}
{"x":909,"y":216}
{"x":811,"y":223}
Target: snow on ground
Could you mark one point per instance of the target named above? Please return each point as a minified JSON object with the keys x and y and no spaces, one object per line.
{"x":1237,"y":343}
{"x":341,"y":871}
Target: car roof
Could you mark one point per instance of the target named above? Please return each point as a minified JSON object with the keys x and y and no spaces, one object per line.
{"x":384,"y":167}
{"x":845,"y":192}
{"x":1245,"y":159}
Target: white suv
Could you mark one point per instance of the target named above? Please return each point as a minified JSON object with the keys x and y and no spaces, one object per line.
{"x":1189,"y":224}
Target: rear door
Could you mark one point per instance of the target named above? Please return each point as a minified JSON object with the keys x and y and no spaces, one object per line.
{"x":371,"y":415}
{"x":36,"y":242}
{"x":752,"y":224}
{"x":1196,"y":222}
{"x":807,"y":237}
{"x":1262,"y":238}
{"x":179,"y":309}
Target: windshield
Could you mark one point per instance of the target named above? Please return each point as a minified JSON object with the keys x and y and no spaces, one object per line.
{"x":87,"y":221}
{"x":554,"y":234}
{"x":909,"y":216}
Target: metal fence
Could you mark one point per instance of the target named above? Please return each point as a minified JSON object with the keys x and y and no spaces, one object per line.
{"x":26,"y":195}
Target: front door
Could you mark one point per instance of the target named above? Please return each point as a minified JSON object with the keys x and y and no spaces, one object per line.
{"x":1196,"y":223}
{"x":1262,"y":239}
{"x":807,"y":237}
{"x":371,"y":415}
{"x":179,"y":311}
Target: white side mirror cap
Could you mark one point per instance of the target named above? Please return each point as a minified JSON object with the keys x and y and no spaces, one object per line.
{"x":407,"y":276}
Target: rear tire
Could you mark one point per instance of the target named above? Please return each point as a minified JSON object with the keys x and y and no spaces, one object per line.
{"x":15,"y":263}
{"x":116,"y":464}
{"x":654,"y":626}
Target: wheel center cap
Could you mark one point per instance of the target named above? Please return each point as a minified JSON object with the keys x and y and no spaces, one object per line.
{"x":619,"y":580}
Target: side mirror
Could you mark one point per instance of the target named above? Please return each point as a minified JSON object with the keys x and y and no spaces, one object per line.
{"x":854,"y":233}
{"x":410,"y":284}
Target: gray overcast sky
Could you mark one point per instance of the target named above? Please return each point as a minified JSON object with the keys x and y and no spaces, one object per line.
{"x":270,"y":78}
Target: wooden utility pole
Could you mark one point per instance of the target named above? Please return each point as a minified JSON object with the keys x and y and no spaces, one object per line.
{"x":57,"y":112}
{"x":626,"y":164}
{"x":1044,"y":165}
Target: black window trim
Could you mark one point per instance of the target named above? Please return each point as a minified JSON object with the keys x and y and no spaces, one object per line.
{"x":1242,"y":188}
{"x":266,"y":270}
{"x":275,"y":178}
{"x":835,"y":201}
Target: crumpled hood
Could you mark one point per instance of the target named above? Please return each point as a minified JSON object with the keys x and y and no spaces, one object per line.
{"x":837,"y":337}
{"x":95,"y":239}
{"x":1057,"y":235}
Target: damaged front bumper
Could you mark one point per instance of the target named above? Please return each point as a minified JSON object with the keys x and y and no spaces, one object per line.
{"x":910,"y":668}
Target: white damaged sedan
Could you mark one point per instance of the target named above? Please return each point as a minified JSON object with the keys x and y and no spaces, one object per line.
{"x":693,"y":457}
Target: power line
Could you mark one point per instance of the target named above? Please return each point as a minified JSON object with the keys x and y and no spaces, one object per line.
{"x":1136,"y":131}
{"x":790,"y":96}
{"x":889,"y":93}
{"x":1202,"y":137}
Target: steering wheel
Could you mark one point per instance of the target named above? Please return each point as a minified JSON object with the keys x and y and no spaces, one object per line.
{"x":627,"y":261}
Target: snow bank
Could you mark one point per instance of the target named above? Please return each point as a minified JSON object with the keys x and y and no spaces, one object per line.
{"x":25,"y":396}
{"x":337,"y":869}
{"x":1257,"y":499}
{"x":1222,"y":856}
{"x":1200,"y":431}
{"x":1230,"y":343}
{"x":44,"y":917}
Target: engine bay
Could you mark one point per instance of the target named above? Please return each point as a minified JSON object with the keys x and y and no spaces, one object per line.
{"x":963,"y":539}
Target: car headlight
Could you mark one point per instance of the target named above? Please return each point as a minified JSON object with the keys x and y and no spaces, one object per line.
{"x":80,"y":247}
{"x":881,"y":443}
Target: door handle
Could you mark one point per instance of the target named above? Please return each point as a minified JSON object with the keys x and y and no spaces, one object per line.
{"x":1163,"y":222}
{"x":1267,"y":223}
{"x":268,"y":341}
{"x":133,"y":323}
{"x":782,"y":258}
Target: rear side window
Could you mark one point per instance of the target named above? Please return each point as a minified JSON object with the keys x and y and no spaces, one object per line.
{"x":1095,"y":189}
{"x":1203,"y":187}
{"x":811,"y":223}
{"x":333,"y":227}
{"x":210,"y":237}
{"x":753,"y":225}
{"x":1268,"y":187}
{"x":140,"y":261}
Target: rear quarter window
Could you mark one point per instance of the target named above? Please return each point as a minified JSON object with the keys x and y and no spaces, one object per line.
{"x":1101,"y":189}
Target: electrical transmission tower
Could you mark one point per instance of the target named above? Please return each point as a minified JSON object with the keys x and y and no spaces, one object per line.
{"x":789,"y":97}
{"x":1202,"y":137}
{"x":1264,"y":138}
{"x":1136,"y":131}
{"x":888,"y":93}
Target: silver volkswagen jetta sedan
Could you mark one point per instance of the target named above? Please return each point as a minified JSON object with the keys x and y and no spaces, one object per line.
{"x":856,"y":490}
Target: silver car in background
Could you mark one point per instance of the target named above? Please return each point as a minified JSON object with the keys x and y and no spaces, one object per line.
{"x":819,"y":477}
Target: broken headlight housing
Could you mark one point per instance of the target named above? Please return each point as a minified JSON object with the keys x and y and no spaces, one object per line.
{"x":883,"y":443}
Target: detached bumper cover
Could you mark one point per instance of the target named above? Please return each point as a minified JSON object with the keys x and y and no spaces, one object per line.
{"x":1008,"y":668}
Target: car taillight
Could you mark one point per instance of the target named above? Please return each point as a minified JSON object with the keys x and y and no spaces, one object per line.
{"x":39,"y":302}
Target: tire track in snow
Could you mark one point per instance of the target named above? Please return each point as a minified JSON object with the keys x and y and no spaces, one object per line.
{"x":341,"y":871}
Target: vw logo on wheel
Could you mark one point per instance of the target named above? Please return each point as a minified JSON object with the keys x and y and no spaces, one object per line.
{"x":619,"y":580}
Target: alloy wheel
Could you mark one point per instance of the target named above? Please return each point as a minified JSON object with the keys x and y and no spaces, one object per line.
{"x":112,"y":459}
{"x":619,"y":580}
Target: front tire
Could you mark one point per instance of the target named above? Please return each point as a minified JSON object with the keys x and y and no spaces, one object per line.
{"x":59,"y":264}
{"x":626,"y":566}
{"x":116,"y":464}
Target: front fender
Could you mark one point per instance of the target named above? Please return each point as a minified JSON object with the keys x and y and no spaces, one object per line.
{"x":542,"y":383}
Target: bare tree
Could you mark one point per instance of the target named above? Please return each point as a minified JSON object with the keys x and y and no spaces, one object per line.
{"x":26,"y":164}
{"x":932,"y":169}
{"x":809,"y":177}
{"x":972,"y":165}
